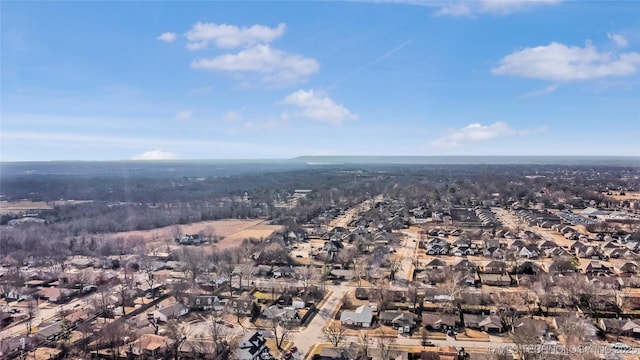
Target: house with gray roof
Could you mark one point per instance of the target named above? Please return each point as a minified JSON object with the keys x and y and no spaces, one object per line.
{"x":361,"y":317}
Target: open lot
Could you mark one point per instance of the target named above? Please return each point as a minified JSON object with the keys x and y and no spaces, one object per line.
{"x":12,"y":207}
{"x":232,"y":231}
{"x":626,"y":196}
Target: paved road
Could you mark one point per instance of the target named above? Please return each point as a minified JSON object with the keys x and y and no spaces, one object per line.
{"x":45,"y":312}
{"x":408,"y":252}
{"x":305,"y":339}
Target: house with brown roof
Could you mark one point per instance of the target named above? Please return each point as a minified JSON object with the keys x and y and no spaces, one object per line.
{"x":438,"y":321}
{"x":628,"y":269}
{"x":496,"y":279}
{"x":494,"y":267}
{"x":487,"y":323}
{"x":150,"y":345}
{"x":55,"y":294}
{"x":624,"y":327}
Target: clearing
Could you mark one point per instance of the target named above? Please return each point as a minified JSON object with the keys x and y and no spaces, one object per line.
{"x":12,"y":207}
{"x":233,"y":231}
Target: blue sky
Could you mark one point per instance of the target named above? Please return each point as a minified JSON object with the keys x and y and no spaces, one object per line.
{"x":207,"y":80}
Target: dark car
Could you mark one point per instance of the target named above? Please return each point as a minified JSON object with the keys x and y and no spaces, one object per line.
{"x":293,"y":349}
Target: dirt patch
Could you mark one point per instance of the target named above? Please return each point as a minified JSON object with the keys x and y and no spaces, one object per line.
{"x":13,"y":207}
{"x":626,"y":196}
{"x":232,"y":231}
{"x":473,"y":335}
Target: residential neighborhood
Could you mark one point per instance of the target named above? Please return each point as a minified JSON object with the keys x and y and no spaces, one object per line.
{"x":377,"y":279}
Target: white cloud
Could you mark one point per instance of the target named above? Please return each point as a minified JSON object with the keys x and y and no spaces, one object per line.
{"x":167,"y":37}
{"x":472,"y":7}
{"x":318,"y":106}
{"x":506,"y":7}
{"x":548,"y":90}
{"x":155,"y":155}
{"x":184,"y":115}
{"x":275,"y":67}
{"x":620,"y":40}
{"x":231,"y":36}
{"x":232,"y":116}
{"x":477,"y":132}
{"x":197,"y":45}
{"x":559,"y":62}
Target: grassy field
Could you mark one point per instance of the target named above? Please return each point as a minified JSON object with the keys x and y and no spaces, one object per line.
{"x":232,"y":231}
{"x":626,"y":196}
{"x":12,"y":207}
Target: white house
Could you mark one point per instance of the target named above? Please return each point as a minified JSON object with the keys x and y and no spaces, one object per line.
{"x":170,"y":312}
{"x":361,"y":317}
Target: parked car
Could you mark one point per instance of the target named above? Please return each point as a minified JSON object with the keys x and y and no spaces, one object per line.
{"x":427,"y":343}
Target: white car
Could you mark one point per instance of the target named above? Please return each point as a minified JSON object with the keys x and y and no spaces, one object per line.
{"x":620,"y":346}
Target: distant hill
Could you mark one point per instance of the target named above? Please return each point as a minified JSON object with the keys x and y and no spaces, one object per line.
{"x":441,"y":160}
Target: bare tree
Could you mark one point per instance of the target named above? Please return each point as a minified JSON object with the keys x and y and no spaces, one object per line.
{"x":529,"y":300}
{"x":364,"y":344}
{"x":453,"y":290}
{"x":86,"y":329}
{"x":507,"y":304}
{"x":346,"y":257}
{"x":245,"y":271}
{"x":360,"y":267}
{"x":308,"y":275}
{"x":334,"y":334}
{"x":149,"y":278}
{"x":113,"y":336}
{"x":544,"y":290}
{"x":176,"y":232}
{"x":380,"y":293}
{"x":573,"y":328}
{"x":32,"y":310}
{"x":177,"y":333}
{"x":524,"y":335}
{"x":210,"y":233}
{"x":194,"y":260}
{"x":280,"y":331}
{"x":127,"y":285}
{"x":384,"y":344}
{"x":394,"y":264}
{"x":620,"y":300}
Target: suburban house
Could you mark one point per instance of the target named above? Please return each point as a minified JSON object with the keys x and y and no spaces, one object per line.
{"x":172,"y":311}
{"x":466,"y":266}
{"x":397,"y":319}
{"x":626,"y":327}
{"x":628,"y":269}
{"x":206,"y":302}
{"x":240,"y":306}
{"x":436,"y":264}
{"x":437,"y":321}
{"x":494,"y":267}
{"x":362,"y":317}
{"x":496,"y":279}
{"x":55,"y":294}
{"x":488,"y":323}
{"x":287,"y":314}
{"x":284,"y":271}
{"x":251,"y":346}
{"x":529,"y":252}
{"x":150,"y":345}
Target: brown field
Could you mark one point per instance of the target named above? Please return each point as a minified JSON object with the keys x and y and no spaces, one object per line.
{"x":12,"y":207}
{"x":626,"y":196}
{"x":233,"y":231}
